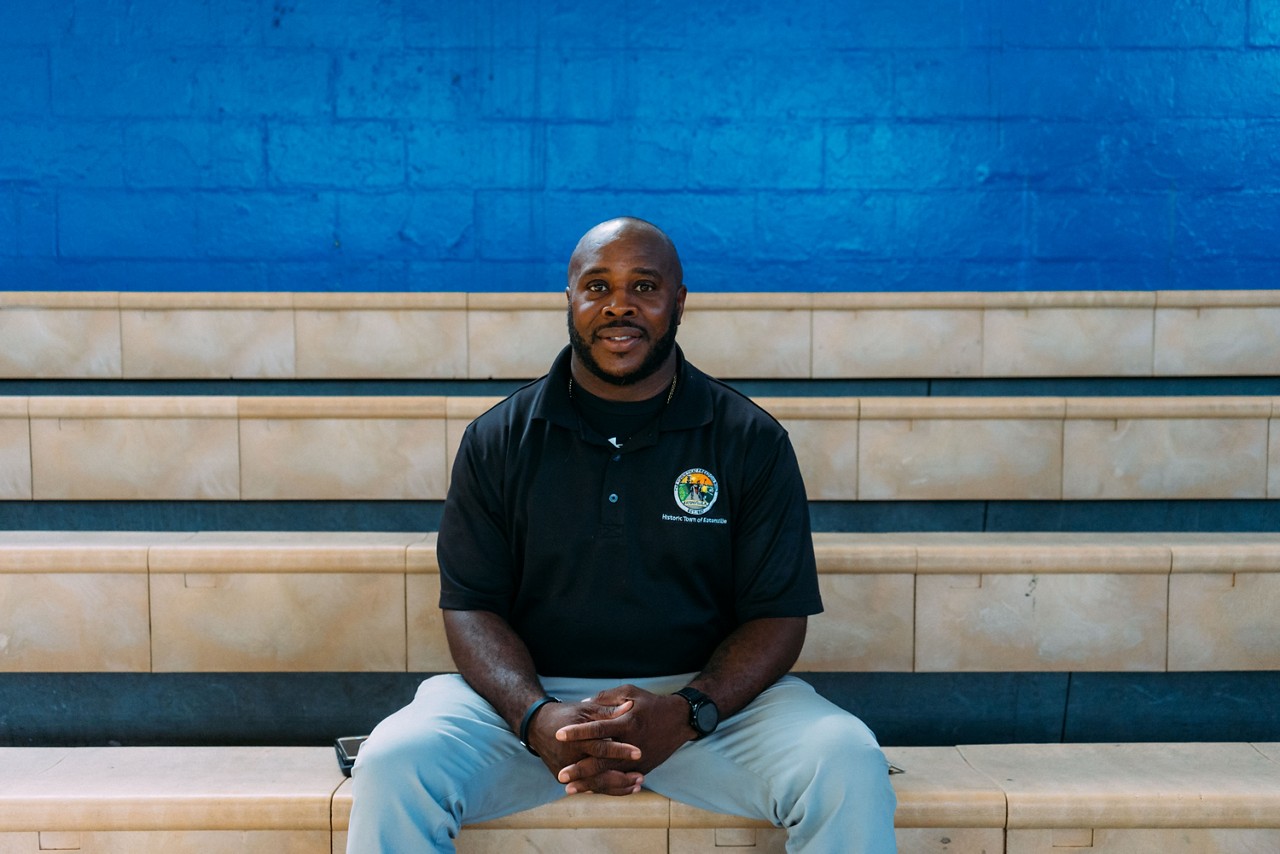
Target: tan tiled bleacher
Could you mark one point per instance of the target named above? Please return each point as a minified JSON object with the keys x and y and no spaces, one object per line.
{"x":943,"y":805}
{"x":872,"y":448}
{"x":211,"y":601}
{"x":149,"y":800}
{"x":947,"y":602}
{"x":1135,"y":798}
{"x":1020,"y":799}
{"x":477,"y":336}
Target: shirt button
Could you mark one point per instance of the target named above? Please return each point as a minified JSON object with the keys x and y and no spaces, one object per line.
{"x":613,"y":498}
{"x":617,"y":457}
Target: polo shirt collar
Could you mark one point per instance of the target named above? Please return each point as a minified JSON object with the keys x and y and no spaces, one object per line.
{"x":691,"y":406}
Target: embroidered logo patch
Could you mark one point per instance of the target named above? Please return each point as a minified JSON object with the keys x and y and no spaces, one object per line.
{"x":696,"y":491}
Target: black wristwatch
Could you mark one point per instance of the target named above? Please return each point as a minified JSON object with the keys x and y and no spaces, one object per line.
{"x":704,"y":716}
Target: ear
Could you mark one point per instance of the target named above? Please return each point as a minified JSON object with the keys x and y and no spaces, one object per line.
{"x":680,"y":295}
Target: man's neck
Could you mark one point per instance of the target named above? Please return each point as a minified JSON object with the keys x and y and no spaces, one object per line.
{"x":652,"y":385}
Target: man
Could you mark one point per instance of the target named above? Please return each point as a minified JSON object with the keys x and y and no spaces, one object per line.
{"x":629,"y":531}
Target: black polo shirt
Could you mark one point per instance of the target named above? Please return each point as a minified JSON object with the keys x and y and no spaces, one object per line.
{"x":625,"y":562}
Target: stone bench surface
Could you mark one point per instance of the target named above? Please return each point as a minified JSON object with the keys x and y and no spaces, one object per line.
{"x":837,"y":553}
{"x":162,"y":788}
{"x":1232,"y":785}
{"x":1134,"y":785}
{"x":939,"y":789}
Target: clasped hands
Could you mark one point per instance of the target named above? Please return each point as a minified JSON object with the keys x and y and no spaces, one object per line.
{"x":607,"y":743}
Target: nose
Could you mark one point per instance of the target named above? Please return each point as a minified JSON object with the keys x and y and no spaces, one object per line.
{"x":619,"y":304}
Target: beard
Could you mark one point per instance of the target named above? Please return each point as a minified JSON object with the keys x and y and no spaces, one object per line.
{"x":658,"y":354}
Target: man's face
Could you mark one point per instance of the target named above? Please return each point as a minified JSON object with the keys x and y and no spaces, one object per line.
{"x":625,"y":302}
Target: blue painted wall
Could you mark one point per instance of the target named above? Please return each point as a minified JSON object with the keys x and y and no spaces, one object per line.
{"x":802,"y":145}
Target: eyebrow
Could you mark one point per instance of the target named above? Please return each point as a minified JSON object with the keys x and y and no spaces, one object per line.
{"x":643,"y":271}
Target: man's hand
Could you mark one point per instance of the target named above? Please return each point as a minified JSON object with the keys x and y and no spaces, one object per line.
{"x":614,"y":776}
{"x":656,"y":724}
{"x":496,"y":663}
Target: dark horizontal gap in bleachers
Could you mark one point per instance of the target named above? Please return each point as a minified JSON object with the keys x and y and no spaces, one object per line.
{"x":842,"y":516}
{"x":1023,"y":387}
{"x":1251,"y":515}
{"x":260,"y":388}
{"x":220,"y":515}
{"x":904,"y":709}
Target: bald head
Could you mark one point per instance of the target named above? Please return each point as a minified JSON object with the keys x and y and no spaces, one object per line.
{"x":625,"y":300}
{"x":628,"y":228}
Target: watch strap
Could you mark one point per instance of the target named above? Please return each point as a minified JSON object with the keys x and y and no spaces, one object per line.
{"x":697,"y":701}
{"x":693,"y":695}
{"x":528,"y":719}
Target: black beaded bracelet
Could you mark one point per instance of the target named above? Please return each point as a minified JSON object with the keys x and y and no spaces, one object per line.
{"x":528,"y":718}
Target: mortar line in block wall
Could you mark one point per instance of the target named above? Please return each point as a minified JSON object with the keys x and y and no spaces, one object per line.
{"x":1062,"y":457}
{"x":404,"y":602}
{"x":293,"y":319}
{"x":120,"y":337}
{"x":151,"y":629}
{"x":1155,"y":327}
{"x":31,"y":454}
{"x":813,"y":342}
{"x":1272,"y":438}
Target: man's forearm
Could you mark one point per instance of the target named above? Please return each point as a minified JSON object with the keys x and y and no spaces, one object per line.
{"x":494,"y":661}
{"x":750,"y":659}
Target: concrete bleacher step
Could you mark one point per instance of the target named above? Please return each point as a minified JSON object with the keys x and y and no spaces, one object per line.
{"x":282,"y":335}
{"x":939,"y":798}
{"x":1019,"y":799}
{"x":148,"y":800}
{"x":110,"y":448}
{"x":236,"y":601}
{"x":1136,"y":798}
{"x":213,"y":602}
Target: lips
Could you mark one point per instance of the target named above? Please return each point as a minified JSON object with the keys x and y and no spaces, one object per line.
{"x":619,"y":338}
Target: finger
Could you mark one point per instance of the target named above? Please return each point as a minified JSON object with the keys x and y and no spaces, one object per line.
{"x":616,"y":783}
{"x":585,"y":769}
{"x":581,"y":770}
{"x":587,"y":731}
{"x":607,"y":748}
{"x":615,"y":696}
{"x":619,"y":709}
{"x":599,"y":709}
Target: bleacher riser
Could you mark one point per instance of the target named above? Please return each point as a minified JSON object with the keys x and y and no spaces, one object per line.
{"x":215,"y":602}
{"x":874,"y":448}
{"x":451,"y":336}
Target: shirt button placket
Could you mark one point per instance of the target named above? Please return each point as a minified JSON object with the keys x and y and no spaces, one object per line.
{"x":613,"y":491}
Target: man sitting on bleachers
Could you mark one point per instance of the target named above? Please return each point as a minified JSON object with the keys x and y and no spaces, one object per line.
{"x":630,"y":531}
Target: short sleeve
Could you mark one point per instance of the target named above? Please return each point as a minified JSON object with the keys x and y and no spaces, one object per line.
{"x":476,"y":568}
{"x":775,"y":574}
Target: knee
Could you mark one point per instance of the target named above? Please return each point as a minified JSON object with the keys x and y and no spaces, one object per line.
{"x":403,"y":749}
{"x":842,"y":732}
{"x":399,"y":759}
{"x":842,"y":747}
{"x":383,"y":761}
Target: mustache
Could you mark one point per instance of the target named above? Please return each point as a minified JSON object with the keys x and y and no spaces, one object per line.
{"x":619,"y":324}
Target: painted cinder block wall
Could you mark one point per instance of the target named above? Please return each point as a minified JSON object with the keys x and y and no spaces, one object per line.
{"x":799,"y":146}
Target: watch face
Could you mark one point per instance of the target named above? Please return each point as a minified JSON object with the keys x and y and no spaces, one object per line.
{"x":708,"y":716}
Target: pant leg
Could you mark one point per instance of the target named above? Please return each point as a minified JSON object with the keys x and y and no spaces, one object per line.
{"x":794,"y":759}
{"x":445,"y":759}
